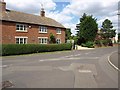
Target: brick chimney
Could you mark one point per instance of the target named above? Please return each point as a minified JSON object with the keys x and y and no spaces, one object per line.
{"x":42,"y":11}
{"x":3,"y":5}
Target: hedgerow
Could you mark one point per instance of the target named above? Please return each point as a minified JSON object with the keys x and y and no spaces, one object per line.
{"x":18,"y":49}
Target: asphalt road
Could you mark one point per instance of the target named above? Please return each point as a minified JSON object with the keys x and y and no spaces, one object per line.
{"x":114,"y":58}
{"x":66,"y":69}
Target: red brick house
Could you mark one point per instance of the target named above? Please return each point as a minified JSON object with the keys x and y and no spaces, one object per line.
{"x":22,"y":28}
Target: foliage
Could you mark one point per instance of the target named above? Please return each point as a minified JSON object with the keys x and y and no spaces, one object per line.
{"x":88,"y":29}
{"x":104,"y":42}
{"x":83,"y":17}
{"x":68,"y":34}
{"x":107,"y":29}
{"x":81,"y":40}
{"x":17,"y":49}
{"x":75,"y":38}
{"x":88,"y":44}
{"x":118,"y":37}
{"x":52,"y":38}
{"x":97,"y":43}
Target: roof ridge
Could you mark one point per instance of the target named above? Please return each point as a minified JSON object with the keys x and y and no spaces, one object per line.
{"x":24,"y":13}
{"x":18,"y":16}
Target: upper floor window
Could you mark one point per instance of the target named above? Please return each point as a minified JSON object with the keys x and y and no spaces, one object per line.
{"x":21,"y":27}
{"x":43,"y":29}
{"x":58,"y":30}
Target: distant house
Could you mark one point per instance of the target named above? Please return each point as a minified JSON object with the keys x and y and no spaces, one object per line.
{"x":22,"y":28}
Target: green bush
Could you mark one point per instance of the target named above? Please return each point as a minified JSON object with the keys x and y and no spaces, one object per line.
{"x":17,"y":49}
{"x":104,"y":42}
{"x":88,"y":44}
{"x":98,"y":43}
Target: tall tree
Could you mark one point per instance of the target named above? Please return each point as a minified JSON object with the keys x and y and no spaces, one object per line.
{"x":68,"y":34}
{"x":107,"y":29}
{"x":118,"y":37}
{"x":83,"y":17}
{"x":88,"y":28}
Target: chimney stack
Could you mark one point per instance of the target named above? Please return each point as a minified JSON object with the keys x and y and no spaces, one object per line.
{"x":3,"y":5}
{"x":42,"y":11}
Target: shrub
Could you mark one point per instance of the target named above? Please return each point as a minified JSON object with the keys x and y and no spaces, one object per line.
{"x":98,"y":43}
{"x":17,"y":49}
{"x":104,"y":42}
{"x":88,"y":44}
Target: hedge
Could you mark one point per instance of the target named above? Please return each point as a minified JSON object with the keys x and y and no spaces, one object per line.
{"x":17,"y":49}
{"x":88,"y":44}
{"x":105,"y":42}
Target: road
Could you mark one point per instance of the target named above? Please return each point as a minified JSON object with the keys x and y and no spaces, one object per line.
{"x":66,"y":69}
{"x":114,"y":59}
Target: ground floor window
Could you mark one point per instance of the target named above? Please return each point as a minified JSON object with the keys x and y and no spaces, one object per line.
{"x":43,"y":40}
{"x":21,"y":40}
{"x":58,"y":41}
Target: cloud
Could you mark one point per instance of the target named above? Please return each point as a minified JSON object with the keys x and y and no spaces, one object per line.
{"x":59,"y":16}
{"x":30,"y":6}
{"x":99,"y":9}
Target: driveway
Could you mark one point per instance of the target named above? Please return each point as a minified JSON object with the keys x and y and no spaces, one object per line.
{"x":65,"y":69}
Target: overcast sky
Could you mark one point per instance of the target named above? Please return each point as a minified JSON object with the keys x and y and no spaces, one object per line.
{"x":68,"y":12}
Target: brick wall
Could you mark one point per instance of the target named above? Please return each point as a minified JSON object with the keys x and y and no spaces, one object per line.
{"x":9,"y":32}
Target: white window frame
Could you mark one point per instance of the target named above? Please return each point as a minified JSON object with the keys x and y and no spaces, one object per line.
{"x":58,"y":41}
{"x":21,"y":37}
{"x":24,"y":27}
{"x":58,"y":31}
{"x":43,"y":29}
{"x":44,"y":41}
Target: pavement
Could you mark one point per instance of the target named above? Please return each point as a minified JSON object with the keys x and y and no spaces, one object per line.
{"x":83,"y":48}
{"x":66,"y":69}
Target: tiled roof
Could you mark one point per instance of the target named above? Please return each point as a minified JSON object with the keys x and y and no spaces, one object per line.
{"x":16,"y":16}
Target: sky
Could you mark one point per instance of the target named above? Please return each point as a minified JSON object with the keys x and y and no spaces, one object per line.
{"x":69,"y":12}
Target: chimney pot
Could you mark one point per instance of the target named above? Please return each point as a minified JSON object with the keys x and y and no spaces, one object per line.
{"x":42,"y":11}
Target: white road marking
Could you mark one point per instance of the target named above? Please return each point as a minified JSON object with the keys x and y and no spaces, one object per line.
{"x":111,"y":62}
{"x":85,"y":71}
{"x":77,"y":55}
{"x":3,"y":66}
{"x":72,"y":58}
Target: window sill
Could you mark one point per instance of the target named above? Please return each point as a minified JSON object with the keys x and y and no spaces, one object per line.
{"x":58,"y":33}
{"x":21,"y":31}
{"x":43,"y":32}
{"x":43,"y":43}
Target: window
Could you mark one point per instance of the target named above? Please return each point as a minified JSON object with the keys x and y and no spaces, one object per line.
{"x":42,"y":29}
{"x":21,"y":40}
{"x":58,"y":41}
{"x":58,"y":31}
{"x":21,"y":27}
{"x":43,"y":40}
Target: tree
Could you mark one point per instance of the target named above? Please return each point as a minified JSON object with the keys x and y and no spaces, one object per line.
{"x":107,"y":29}
{"x":87,"y":29}
{"x":68,"y":34}
{"x":75,"y":38}
{"x":118,"y":37}
{"x":52,"y":38}
{"x":83,"y":17}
